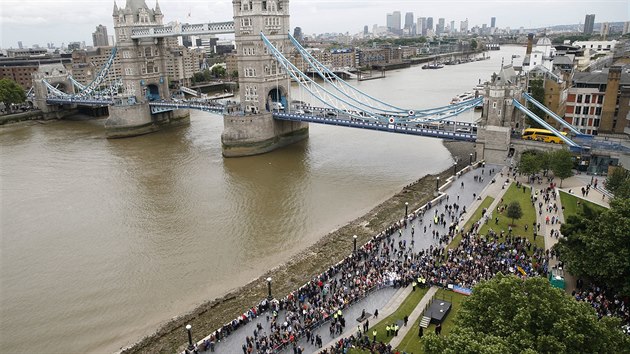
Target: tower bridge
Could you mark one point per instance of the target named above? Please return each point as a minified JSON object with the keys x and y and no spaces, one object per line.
{"x":265,"y":117}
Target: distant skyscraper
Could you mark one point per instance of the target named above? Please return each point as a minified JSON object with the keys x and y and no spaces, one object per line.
{"x":589,"y":23}
{"x":365,"y":30}
{"x":626,"y":27}
{"x":439,"y":29}
{"x":421,"y":27}
{"x":493,"y":22}
{"x":409,"y":20}
{"x":390,"y":22}
{"x":99,"y":37}
{"x":397,"y":21}
{"x":605,"y":29}
{"x":297,"y":34}
{"x":20,"y":45}
{"x":429,"y":23}
{"x":463,"y":26}
{"x":453,"y":30}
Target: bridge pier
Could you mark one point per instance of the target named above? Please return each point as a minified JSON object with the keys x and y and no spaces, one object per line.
{"x":133,"y":120}
{"x":254,"y":134}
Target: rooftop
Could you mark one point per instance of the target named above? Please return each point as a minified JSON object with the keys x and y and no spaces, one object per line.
{"x":599,"y":77}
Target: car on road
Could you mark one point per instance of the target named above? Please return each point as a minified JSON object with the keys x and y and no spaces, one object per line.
{"x":277,"y":106}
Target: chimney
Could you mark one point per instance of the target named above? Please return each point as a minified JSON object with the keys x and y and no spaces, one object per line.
{"x":530,"y":43}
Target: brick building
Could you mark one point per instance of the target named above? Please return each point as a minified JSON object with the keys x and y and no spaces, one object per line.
{"x":598,"y":102}
{"x":20,"y":69}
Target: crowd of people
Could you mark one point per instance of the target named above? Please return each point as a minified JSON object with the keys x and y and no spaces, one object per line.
{"x":387,"y":260}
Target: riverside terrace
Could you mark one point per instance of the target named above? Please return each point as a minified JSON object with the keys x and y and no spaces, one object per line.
{"x":412,"y":237}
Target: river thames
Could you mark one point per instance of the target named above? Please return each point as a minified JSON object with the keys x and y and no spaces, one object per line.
{"x":104,"y":240}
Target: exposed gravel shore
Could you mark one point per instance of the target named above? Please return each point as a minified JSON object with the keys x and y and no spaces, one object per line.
{"x":330,"y":249}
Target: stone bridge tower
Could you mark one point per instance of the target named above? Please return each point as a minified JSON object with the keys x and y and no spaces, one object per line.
{"x":144,"y":72}
{"x":499,"y":117}
{"x":263,"y":84}
{"x":57,"y":76}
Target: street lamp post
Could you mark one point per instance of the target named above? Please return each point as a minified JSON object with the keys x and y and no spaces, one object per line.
{"x":191,"y":346}
{"x":471,"y":158}
{"x":455,"y":168}
{"x":437,"y":185}
{"x":269,"y":297}
{"x":406,"y":209}
{"x":354,"y":242}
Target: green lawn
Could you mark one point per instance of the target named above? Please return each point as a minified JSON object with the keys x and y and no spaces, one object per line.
{"x":569,"y":202}
{"x":476,"y":216}
{"x":411,"y":343}
{"x":405,"y":309}
{"x":528,"y":218}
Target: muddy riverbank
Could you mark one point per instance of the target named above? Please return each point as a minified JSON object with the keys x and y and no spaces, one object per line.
{"x":330,"y":249}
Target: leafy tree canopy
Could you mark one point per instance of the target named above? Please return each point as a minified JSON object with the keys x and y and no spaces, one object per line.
{"x":561,"y":163}
{"x":598,"y":247}
{"x":514,"y":211}
{"x":537,"y":90}
{"x":618,"y":183}
{"x":530,"y":163}
{"x":510,"y":315}
{"x":11,"y":92}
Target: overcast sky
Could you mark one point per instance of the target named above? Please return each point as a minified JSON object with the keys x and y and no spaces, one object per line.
{"x":57,"y":21}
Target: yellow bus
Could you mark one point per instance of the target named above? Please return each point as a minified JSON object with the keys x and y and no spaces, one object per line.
{"x":543,"y":135}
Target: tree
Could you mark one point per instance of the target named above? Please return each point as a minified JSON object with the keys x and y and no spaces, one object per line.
{"x":473,"y":44}
{"x":530,"y":163}
{"x":514,"y":211}
{"x":198,"y":77}
{"x":618,"y":182}
{"x":545,"y":161}
{"x":510,"y":315}
{"x":218,"y":71}
{"x":11,"y":92}
{"x":597,"y":247}
{"x":537,"y":90}
{"x":561,"y":162}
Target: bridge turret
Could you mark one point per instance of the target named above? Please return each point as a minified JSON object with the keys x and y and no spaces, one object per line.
{"x":143,"y":64}
{"x":499,"y":117}
{"x":159,"y":17}
{"x":264,"y":86}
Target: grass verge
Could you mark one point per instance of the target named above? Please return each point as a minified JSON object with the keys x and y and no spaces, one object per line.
{"x":570,"y":204}
{"x":405,"y":309}
{"x":522,"y":196}
{"x":412,"y":344}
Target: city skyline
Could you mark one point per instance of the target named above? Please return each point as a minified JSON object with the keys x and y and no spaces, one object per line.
{"x":38,"y":21}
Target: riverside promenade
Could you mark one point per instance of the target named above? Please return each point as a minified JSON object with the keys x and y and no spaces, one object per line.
{"x":465,"y":190}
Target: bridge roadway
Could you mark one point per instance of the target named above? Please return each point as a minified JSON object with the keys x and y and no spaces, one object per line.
{"x":451,"y":130}
{"x":326,"y":117}
{"x":79,"y":101}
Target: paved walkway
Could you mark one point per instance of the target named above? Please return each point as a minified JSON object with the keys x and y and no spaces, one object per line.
{"x":389,"y":308}
{"x":596,"y":195}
